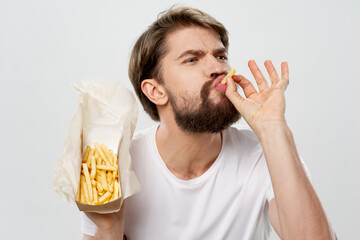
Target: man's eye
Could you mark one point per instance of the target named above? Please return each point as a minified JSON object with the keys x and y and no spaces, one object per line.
{"x":190,"y":60}
{"x":222,"y":57}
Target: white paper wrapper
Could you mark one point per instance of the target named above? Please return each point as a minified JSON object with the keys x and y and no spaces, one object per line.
{"x":107,"y":114}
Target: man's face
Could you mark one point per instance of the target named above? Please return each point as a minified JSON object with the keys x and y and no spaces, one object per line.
{"x":196,"y":58}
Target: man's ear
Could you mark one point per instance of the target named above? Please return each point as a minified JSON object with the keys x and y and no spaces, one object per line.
{"x":154,"y":91}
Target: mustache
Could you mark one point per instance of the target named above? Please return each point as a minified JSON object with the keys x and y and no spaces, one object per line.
{"x":205,"y":90}
{"x":216,"y":75}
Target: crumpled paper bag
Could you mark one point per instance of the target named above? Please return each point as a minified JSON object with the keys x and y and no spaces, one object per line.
{"x":106,"y":113}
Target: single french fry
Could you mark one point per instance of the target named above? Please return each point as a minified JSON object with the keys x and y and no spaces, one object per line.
{"x":96,"y":155}
{"x":106,"y":168}
{"x":93,"y":168}
{"x":82,"y":194}
{"x":115,"y":174}
{"x":95,"y":195}
{"x":93,"y":182}
{"x":230,"y":74}
{"x":103,"y":181}
{"x":116,"y":190}
{"x":104,"y":197}
{"x":109,"y":177}
{"x":99,"y":187}
{"x":111,"y":189}
{"x":101,"y":153}
{"x":86,"y":191}
{"x":113,"y":194}
{"x":86,"y":154}
{"x":91,"y":153}
{"x":111,"y":185}
{"x":106,"y":152}
{"x":88,"y":181}
{"x":98,"y":158}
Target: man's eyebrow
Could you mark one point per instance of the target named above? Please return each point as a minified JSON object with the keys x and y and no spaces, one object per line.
{"x":220,"y":51}
{"x":191,"y":52}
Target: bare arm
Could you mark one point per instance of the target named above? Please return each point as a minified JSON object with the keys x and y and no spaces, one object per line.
{"x":296,"y":211}
{"x":109,"y":226}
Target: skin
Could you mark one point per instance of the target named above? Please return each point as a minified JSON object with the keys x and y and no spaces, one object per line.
{"x":295,"y":212}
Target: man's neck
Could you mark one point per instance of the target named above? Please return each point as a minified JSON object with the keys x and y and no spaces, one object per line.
{"x":187,"y":155}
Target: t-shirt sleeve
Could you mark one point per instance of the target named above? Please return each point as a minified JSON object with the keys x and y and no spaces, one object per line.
{"x":270,"y":194}
{"x":88,"y":227}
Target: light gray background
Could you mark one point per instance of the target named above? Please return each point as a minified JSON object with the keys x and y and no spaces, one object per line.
{"x":47,"y":45}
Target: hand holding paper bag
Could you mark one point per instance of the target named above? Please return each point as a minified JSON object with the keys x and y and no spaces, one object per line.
{"x":106,"y":113}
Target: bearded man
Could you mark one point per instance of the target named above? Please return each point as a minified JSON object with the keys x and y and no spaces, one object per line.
{"x":200,"y":177}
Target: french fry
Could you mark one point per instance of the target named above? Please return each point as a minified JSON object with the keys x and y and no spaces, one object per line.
{"x":86,"y":191}
{"x":86,"y":154}
{"x":98,"y":159}
{"x":109,"y":177}
{"x":93,"y":168}
{"x":230,"y":74}
{"x":88,"y":181}
{"x":106,"y":152}
{"x":98,"y":182}
{"x":95,"y":195}
{"x":106,"y":168}
{"x":116,"y":190}
{"x":93,"y":182}
{"x":103,"y":181}
{"x":82,"y":194}
{"x":99,"y":187}
{"x":91,"y":153}
{"x":104,"y":197}
{"x":101,"y":153}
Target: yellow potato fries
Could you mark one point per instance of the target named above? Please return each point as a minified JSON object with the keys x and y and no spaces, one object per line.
{"x":230,"y":74}
{"x":99,"y":179}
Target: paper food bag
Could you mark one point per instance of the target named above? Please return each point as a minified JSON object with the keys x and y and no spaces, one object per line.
{"x":106,"y":113}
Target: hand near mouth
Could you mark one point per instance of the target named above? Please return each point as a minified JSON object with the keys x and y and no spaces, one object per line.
{"x":263,"y":107}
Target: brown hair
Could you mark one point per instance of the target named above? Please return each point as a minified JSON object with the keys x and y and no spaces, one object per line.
{"x":150,"y":48}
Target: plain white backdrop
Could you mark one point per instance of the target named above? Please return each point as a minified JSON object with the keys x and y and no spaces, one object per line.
{"x":47,"y":45}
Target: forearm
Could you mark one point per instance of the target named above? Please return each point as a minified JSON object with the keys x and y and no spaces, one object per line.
{"x":114,"y":233}
{"x":109,"y":226}
{"x":300,"y":213}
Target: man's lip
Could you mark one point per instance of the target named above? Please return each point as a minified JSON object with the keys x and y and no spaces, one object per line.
{"x":218,"y":80}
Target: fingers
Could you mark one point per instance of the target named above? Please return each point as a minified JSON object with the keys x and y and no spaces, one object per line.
{"x":245,"y":84}
{"x":232,"y":94}
{"x":284,"y":74}
{"x":272,"y":72}
{"x":259,"y":77}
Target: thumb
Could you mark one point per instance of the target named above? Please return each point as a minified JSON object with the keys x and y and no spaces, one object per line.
{"x":232,"y":94}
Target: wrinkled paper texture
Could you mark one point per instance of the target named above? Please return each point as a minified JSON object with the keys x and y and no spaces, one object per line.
{"x":107,"y":114}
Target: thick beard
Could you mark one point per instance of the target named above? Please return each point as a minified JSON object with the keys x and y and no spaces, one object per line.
{"x":208,"y":117}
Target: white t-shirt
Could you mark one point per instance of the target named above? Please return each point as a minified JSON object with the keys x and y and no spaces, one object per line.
{"x":229,"y":201}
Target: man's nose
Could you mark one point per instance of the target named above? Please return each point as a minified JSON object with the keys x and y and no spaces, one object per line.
{"x":214,"y":68}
